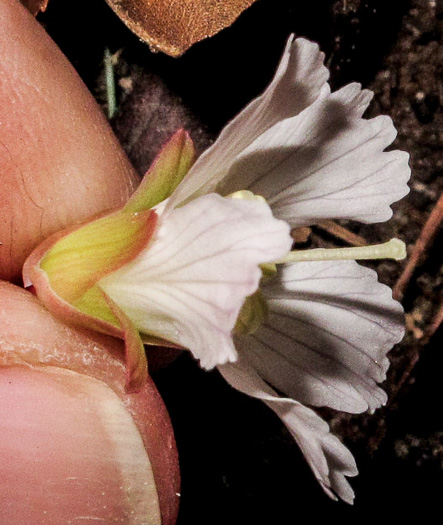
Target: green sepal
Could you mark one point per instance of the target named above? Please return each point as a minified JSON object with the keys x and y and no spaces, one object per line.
{"x":167,"y":171}
{"x":77,"y":260}
{"x":268,"y":270}
{"x":94,"y":304}
{"x":136,"y":361}
{"x":252,"y":314}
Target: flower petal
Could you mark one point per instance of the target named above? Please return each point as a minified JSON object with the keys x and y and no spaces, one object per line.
{"x":310,"y":165}
{"x":296,"y":85}
{"x":325,"y":342}
{"x":328,"y":458}
{"x":190,"y":283}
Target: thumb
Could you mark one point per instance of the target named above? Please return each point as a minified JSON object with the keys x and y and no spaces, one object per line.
{"x":72,"y":442}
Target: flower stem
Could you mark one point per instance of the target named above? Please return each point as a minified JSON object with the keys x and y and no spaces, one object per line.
{"x":110,"y":84}
{"x":393,"y":249}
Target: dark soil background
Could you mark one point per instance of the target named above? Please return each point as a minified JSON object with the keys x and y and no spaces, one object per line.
{"x":239,"y":466}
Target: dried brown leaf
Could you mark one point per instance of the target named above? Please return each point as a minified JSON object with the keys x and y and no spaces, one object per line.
{"x":35,"y":6}
{"x":172,"y":26}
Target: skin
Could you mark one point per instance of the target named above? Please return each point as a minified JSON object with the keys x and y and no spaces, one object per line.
{"x":60,"y":164}
{"x":59,"y":160}
{"x":32,"y":340}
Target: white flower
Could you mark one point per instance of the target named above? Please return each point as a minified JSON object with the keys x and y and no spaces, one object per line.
{"x":330,"y":325}
{"x":312,"y":156}
{"x":327,"y":326}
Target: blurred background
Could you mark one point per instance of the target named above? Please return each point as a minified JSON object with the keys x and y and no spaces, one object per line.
{"x":239,"y":465}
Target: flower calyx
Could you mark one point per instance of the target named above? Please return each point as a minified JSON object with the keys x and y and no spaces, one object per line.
{"x":66,"y":269}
